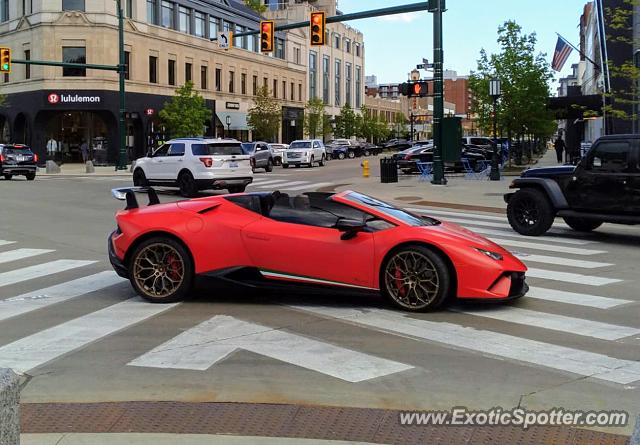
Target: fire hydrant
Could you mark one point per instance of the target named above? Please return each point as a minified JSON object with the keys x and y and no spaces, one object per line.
{"x":365,"y":168}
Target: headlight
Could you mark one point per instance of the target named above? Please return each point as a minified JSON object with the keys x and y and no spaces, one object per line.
{"x":492,"y":255}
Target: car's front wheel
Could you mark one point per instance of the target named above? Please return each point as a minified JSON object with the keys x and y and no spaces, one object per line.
{"x":311,"y":162}
{"x":30,"y":176}
{"x":415,"y":279}
{"x":351,"y":154}
{"x":322,"y":161}
{"x":367,"y":153}
{"x":581,"y":224}
{"x":8,"y":177}
{"x":530,"y":213}
{"x":269,"y":167}
{"x":341,"y":155}
{"x":237,"y":188}
{"x":139,"y":178}
{"x":188,"y":186}
{"x":161,"y":270}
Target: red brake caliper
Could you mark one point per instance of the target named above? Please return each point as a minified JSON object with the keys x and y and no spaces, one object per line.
{"x":173,"y":266}
{"x":400,"y":282}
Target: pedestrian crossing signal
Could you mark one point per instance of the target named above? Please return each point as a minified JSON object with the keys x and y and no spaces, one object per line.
{"x":5,"y":60}
{"x":318,"y":25}
{"x":267,"y":36}
{"x":414,"y":89}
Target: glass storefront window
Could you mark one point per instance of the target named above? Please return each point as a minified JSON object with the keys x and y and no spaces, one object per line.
{"x":74,"y":54}
{"x":72,"y":129}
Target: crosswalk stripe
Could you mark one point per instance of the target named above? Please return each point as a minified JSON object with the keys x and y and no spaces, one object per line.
{"x":42,"y":347}
{"x":314,"y":185}
{"x":560,"y":323}
{"x":513,"y":234}
{"x":202,"y":346}
{"x":578,"y":299}
{"x":20,"y":254}
{"x":269,"y":182}
{"x":6,"y":243}
{"x":568,"y":277}
{"x":569,"y":262}
{"x":560,"y":358}
{"x":546,"y":247}
{"x":42,"y":298}
{"x":40,"y":270}
{"x":285,"y":185}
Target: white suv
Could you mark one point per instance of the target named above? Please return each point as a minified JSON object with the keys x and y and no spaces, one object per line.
{"x":305,"y":152}
{"x":194,"y":164}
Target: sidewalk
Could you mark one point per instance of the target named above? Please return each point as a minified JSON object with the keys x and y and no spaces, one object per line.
{"x":79,"y":170}
{"x":167,"y":439}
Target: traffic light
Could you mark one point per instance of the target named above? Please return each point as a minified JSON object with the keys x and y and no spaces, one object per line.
{"x":267,"y":36}
{"x":414,"y":89}
{"x":5,"y":60}
{"x":318,"y":24}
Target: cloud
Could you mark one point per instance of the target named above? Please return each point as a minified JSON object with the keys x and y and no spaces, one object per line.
{"x":406,"y":17}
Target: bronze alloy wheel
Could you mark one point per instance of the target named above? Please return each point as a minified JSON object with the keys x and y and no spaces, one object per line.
{"x":158,"y":270}
{"x":416,"y":279}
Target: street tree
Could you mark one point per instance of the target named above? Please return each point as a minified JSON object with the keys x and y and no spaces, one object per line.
{"x":314,"y":117}
{"x":524,"y":76}
{"x":257,"y":5}
{"x":186,"y":114}
{"x":400,"y":122}
{"x":265,"y":117}
{"x":346,"y":123}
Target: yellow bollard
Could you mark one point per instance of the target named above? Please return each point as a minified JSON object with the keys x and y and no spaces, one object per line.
{"x":365,"y":168}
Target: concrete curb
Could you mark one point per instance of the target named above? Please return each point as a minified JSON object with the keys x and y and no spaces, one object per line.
{"x":9,"y":408}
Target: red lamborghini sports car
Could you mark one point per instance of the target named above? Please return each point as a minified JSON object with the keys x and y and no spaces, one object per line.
{"x":330,"y":241}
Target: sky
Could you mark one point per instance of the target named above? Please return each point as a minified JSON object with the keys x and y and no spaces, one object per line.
{"x":395,"y":44}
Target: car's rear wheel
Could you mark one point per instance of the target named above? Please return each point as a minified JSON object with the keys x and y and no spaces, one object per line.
{"x":581,"y":224}
{"x":30,"y":176}
{"x":269,"y":167}
{"x":187,"y":184}
{"x":139,"y":178}
{"x":8,"y":177}
{"x":415,"y":279}
{"x":237,"y":188}
{"x":351,"y":154}
{"x":341,"y":155}
{"x":285,"y":165}
{"x":367,"y":153}
{"x":161,"y":270}
{"x":530,"y":213}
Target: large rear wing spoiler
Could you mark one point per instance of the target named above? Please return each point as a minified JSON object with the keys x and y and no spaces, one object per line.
{"x":129,"y":194}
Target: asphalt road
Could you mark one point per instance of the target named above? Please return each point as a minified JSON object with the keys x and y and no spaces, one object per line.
{"x":82,"y":335}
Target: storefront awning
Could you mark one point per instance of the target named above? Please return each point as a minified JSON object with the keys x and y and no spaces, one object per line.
{"x":238,"y":120}
{"x":574,"y":107}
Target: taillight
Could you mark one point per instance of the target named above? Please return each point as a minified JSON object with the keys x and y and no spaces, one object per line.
{"x":1,"y":157}
{"x":407,"y":158}
{"x":253,"y":162}
{"x":208,"y":162}
{"x":35,"y":158}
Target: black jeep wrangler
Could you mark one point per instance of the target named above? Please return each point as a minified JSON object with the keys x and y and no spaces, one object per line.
{"x":603,"y":187}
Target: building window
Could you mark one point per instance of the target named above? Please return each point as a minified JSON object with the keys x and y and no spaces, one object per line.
{"x":232,"y":81}
{"x":70,"y":5}
{"x":251,"y":41}
{"x":184,"y":20}
{"x":336,"y":41}
{"x":326,"y":66}
{"x":27,"y":68}
{"x":227,"y":26}
{"x":172,"y":72}
{"x":4,"y":10}
{"x":284,"y":89}
{"x":296,"y":55}
{"x":218,"y":79}
{"x":293,"y":91}
{"x":167,"y":15}
{"x":337,"y":83}
{"x":72,"y":54}
{"x":127,"y":64}
{"x":204,"y":74}
{"x":275,"y":88}
{"x":347,"y":45}
{"x":358,"y":87}
{"x":357,"y":45}
{"x":265,"y":82}
{"x":214,"y":27}
{"x":347,"y":87}
{"x":300,"y":92}
{"x":129,"y":8}
{"x":188,"y":72}
{"x":199,"y":24}
{"x":243,"y":83}
{"x":153,"y":69}
{"x":151,"y":12}
{"x":240,"y":42}
{"x":313,"y":74}
{"x":280,"y":49}
{"x":255,"y":85}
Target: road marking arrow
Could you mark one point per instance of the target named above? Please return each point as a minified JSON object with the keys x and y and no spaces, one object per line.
{"x":214,"y":340}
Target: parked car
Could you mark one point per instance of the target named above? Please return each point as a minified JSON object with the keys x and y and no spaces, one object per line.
{"x":17,"y":159}
{"x":603,"y":187}
{"x":278,"y":151}
{"x":261,"y":155}
{"x":397,"y":144}
{"x":305,"y":152}
{"x":194,"y":164}
{"x":344,"y":148}
{"x":369,"y":149}
{"x":479,"y":141}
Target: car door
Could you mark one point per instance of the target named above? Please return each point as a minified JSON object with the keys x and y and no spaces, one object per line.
{"x":601,"y":182}
{"x":310,"y":254}
{"x":153,"y":167}
{"x":262,"y":155}
{"x":173,"y":162}
{"x":634,"y":183}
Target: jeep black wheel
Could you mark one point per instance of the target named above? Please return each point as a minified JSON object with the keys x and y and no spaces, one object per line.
{"x":581,"y":224}
{"x":530,"y":213}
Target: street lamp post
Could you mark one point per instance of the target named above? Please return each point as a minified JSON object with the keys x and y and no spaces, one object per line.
{"x":495,"y":92}
{"x":228,"y":125}
{"x":122,"y":158}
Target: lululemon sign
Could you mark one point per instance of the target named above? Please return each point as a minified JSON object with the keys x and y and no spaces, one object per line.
{"x":69,"y":98}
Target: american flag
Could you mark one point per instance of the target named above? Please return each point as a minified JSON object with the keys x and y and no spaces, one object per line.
{"x":561,"y":54}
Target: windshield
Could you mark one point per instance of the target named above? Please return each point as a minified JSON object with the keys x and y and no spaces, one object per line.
{"x":305,"y":144}
{"x":393,"y":211}
{"x":224,"y":149}
{"x":248,"y":148}
{"x":18,"y":151}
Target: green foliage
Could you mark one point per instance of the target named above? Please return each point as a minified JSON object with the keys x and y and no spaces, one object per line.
{"x":346,"y":123}
{"x":265,"y":116}
{"x":186,"y":113}
{"x":257,"y":5}
{"x":314,"y":118}
{"x":524,"y":76}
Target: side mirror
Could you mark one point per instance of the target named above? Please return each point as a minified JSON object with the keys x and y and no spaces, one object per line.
{"x":349,"y":227}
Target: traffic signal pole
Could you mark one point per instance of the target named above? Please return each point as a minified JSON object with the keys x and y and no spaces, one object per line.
{"x":437,"y":7}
